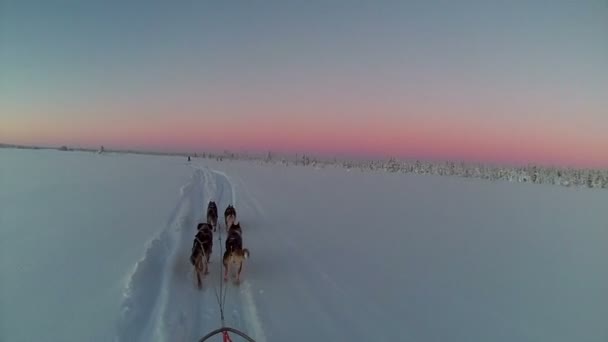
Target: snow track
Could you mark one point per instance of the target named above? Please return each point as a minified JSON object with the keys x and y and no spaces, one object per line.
{"x":161,"y":301}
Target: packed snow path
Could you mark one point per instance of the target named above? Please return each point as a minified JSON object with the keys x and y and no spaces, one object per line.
{"x":284,"y":287}
{"x":166,"y":306}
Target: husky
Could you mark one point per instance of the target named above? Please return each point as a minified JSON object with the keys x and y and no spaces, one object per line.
{"x":235,"y":254}
{"x":201,"y":251}
{"x":212,"y":214}
{"x":229,"y":216}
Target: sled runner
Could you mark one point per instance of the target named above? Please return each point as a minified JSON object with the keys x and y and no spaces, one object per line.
{"x":224,"y":331}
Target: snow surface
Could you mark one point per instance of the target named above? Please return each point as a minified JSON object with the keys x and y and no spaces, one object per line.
{"x":95,"y":248}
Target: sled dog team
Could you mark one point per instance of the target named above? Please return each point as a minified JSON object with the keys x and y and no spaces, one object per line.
{"x":202,"y":246}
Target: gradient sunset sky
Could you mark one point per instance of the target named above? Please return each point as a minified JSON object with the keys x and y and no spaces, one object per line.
{"x":495,"y":81}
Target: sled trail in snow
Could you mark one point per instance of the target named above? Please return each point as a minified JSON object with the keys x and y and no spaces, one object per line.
{"x":161,"y":300}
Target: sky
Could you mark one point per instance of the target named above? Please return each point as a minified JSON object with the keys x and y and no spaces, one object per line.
{"x":492,"y":81}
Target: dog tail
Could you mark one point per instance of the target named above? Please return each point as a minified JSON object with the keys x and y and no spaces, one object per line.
{"x":246,"y":253}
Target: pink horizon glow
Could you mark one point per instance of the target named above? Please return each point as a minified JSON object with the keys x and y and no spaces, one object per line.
{"x":502,"y":84}
{"x":414,"y":138}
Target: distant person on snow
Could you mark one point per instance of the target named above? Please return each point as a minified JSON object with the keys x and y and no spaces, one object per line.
{"x":188,"y":158}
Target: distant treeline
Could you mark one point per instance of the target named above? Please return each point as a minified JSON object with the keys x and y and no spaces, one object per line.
{"x":570,"y":177}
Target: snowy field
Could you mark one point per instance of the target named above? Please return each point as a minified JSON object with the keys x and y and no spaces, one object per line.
{"x":95,"y":248}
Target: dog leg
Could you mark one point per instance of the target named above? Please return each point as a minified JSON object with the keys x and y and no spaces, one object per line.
{"x":207,"y":265}
{"x":238,"y":274}
{"x":199,"y":282}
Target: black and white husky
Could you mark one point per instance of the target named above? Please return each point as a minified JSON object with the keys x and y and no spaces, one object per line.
{"x":201,"y":251}
{"x":229,"y":216}
{"x":212,"y":214}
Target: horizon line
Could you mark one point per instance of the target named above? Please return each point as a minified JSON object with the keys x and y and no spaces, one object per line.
{"x":261,"y":155}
